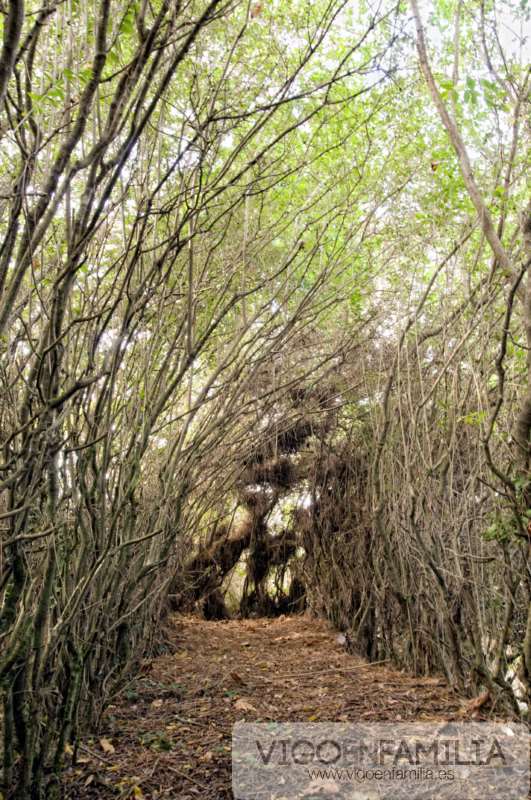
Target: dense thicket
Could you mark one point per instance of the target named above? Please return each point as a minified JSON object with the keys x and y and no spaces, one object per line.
{"x":255,"y":262}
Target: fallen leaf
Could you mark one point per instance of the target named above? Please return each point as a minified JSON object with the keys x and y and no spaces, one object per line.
{"x":107,"y":746}
{"x":321,"y":787}
{"x":157,"y":703}
{"x":477,"y":703}
{"x":244,"y":705}
{"x":237,"y":679}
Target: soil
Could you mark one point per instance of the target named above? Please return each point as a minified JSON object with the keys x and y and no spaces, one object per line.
{"x":169,"y":733}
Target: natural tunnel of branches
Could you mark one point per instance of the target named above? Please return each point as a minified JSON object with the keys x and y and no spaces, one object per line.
{"x":265,"y":335}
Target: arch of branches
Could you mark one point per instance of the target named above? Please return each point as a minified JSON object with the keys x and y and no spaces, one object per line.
{"x":264,"y":312}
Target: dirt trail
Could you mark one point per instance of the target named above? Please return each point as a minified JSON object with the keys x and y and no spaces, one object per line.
{"x":169,"y":736}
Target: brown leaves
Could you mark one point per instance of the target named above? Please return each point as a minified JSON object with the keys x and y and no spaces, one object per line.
{"x":243,"y":705}
{"x":107,"y":746}
{"x":322,"y":788}
{"x":288,"y":669}
{"x":473,"y":706}
{"x":237,"y":679}
{"x":256,"y":10}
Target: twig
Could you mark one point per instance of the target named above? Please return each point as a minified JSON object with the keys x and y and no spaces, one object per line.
{"x":324,"y":671}
{"x":94,"y":754}
{"x":186,"y":777}
{"x":188,"y":721}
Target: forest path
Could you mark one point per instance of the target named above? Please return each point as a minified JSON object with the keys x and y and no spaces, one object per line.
{"x":169,"y":735}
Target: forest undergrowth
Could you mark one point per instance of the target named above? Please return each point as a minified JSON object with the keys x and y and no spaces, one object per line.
{"x":169,"y":734}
